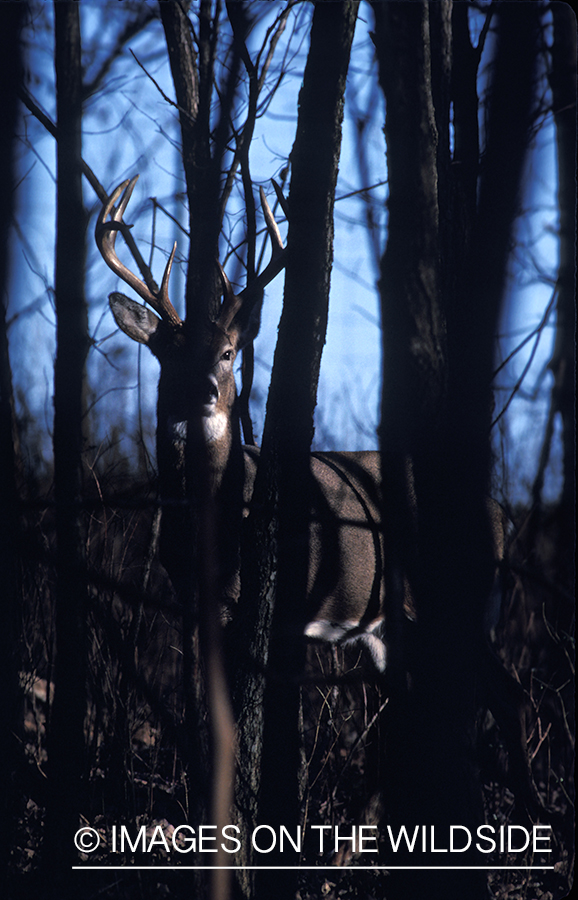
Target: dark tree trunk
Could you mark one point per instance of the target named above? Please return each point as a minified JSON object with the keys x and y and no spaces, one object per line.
{"x":563,"y":363}
{"x":442,"y":282}
{"x":180,"y":523}
{"x":270,"y":780}
{"x":10,"y":637}
{"x":203,"y":145}
{"x":66,"y":738}
{"x":192,"y":527}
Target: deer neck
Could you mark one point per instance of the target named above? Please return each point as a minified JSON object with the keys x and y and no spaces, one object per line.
{"x":192,"y":471}
{"x":221,"y":451}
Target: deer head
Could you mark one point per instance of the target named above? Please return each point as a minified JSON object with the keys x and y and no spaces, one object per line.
{"x":197,"y":398}
{"x":203,"y":382}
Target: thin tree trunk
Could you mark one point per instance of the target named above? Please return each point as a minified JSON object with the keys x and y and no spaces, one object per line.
{"x":563,"y":363}
{"x":193,"y":526}
{"x":10,"y":74}
{"x":66,"y":738}
{"x":270,"y":777}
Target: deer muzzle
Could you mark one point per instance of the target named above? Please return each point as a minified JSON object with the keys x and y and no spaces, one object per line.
{"x":210,"y":396}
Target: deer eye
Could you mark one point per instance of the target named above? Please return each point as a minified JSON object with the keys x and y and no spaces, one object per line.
{"x":227,"y":355}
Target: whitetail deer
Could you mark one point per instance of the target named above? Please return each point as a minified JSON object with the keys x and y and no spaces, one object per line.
{"x":346,"y":553}
{"x":197,"y":405}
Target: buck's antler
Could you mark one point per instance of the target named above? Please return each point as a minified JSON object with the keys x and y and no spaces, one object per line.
{"x":232,"y":302}
{"x":105,"y":234}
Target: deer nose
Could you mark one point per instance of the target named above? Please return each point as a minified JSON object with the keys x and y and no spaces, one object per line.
{"x":210,"y":391}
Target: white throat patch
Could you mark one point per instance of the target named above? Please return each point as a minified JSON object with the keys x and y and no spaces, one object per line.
{"x":214,"y":427}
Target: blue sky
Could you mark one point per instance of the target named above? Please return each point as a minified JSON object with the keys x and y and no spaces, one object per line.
{"x":129,"y":127}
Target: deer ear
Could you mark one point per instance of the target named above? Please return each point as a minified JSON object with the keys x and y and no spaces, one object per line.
{"x":135,"y":320}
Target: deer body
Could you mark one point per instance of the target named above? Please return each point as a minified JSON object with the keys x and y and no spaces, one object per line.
{"x":198,"y":424}
{"x":345,"y":550}
{"x":345,"y":583}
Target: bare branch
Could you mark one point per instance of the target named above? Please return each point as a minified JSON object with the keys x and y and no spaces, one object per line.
{"x":31,"y":104}
{"x":131,"y":29}
{"x":165,"y":97}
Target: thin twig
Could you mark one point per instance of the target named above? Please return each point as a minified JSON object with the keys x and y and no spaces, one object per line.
{"x":160,"y":90}
{"x":31,"y":104}
{"x":535,"y":333}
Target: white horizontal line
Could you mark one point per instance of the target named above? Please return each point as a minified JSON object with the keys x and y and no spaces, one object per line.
{"x":323,"y":868}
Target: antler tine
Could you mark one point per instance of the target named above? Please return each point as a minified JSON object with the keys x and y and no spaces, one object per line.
{"x":272,"y":227}
{"x":281,"y":198}
{"x":164,"y":290}
{"x":105,"y":234}
{"x":278,"y":253}
{"x":120,"y":210}
{"x":231,"y":301}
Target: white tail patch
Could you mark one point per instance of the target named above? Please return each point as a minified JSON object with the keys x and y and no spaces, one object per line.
{"x":348,"y":633}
